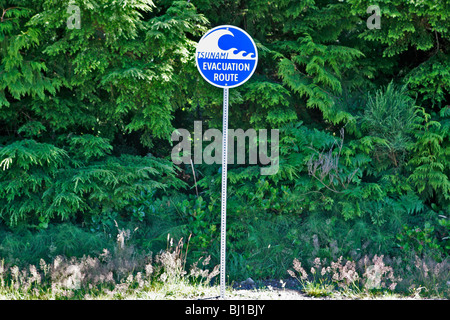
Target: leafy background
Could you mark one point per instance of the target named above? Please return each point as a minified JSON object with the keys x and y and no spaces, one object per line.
{"x":86,"y":117}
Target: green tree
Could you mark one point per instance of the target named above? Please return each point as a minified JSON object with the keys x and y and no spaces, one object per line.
{"x":72,"y":101}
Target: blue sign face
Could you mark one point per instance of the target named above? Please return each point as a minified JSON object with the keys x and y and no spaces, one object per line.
{"x":226,"y":56}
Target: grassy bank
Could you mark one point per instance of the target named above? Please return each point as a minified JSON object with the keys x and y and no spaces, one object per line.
{"x":123,"y":273}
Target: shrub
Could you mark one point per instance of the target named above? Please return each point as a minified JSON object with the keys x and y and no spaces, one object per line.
{"x":390,"y":117}
{"x":39,"y":182}
{"x":24,"y":246}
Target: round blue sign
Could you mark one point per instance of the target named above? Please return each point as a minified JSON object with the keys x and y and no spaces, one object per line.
{"x":226,"y":56}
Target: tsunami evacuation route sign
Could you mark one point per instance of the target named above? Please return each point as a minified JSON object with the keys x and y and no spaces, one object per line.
{"x":226,"y":56}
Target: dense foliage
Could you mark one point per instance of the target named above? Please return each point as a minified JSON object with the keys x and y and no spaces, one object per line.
{"x":364,"y":117}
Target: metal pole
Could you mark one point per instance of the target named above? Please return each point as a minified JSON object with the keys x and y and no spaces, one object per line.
{"x":224,"y":193}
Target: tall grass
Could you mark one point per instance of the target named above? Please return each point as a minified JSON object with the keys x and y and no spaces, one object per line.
{"x":122,"y":271}
{"x":376,"y":276}
{"x":121,"y":274}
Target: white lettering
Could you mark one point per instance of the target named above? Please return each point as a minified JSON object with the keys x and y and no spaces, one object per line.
{"x":202,"y":310}
{"x":233,"y":77}
{"x":212,"y":55}
{"x":225,"y":66}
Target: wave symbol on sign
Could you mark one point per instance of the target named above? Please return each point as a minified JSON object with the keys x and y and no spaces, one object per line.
{"x":210,"y":44}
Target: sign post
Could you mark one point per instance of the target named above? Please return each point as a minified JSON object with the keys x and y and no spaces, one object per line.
{"x":226,"y":57}
{"x":223,"y":211}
